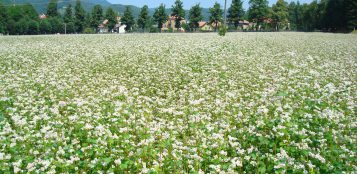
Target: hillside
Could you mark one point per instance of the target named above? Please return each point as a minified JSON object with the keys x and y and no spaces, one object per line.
{"x":41,"y":6}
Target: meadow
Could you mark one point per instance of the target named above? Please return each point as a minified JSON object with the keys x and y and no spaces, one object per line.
{"x":178,"y":103}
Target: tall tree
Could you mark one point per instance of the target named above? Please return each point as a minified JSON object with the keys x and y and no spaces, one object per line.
{"x":144,"y":18}
{"x":111,"y":17}
{"x":128,"y":19}
{"x":295,"y":15}
{"x":178,"y":12}
{"x":52,"y":9}
{"x":68,"y":14}
{"x":160,"y":16}
{"x":351,"y":14}
{"x":195,"y":16}
{"x":33,"y":27}
{"x":3,"y":19}
{"x":97,"y":16}
{"x":280,"y":14}
{"x":216,"y":15}
{"x":235,"y":12}
{"x":79,"y":14}
{"x":45,"y":27}
{"x":258,"y":10}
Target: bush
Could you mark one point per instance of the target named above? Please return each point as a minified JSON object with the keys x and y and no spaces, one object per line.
{"x":222,"y":30}
{"x":88,"y":31}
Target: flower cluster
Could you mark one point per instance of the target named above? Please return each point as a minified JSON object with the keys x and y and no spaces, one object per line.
{"x":172,"y":103}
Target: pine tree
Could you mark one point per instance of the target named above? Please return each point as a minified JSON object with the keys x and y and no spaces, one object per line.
{"x":216,"y":15}
{"x":144,"y":18}
{"x":235,"y":12}
{"x":97,"y":16}
{"x":160,"y":16}
{"x":68,"y":14}
{"x":178,"y":12}
{"x":111,"y":17}
{"x":79,"y":14}
{"x":3,"y":19}
{"x":52,"y":9}
{"x":351,"y":14}
{"x":195,"y":16}
{"x":128,"y":19}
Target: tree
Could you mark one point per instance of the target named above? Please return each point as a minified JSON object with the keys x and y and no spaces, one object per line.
{"x":351,"y":14}
{"x":178,"y":12}
{"x":52,"y":9}
{"x":216,"y":15}
{"x":79,"y":14}
{"x":144,"y":18}
{"x":111,"y":17}
{"x":160,"y":16}
{"x":45,"y":27}
{"x":258,"y":10}
{"x":21,"y":27}
{"x":195,"y":16}
{"x":235,"y":12}
{"x":29,"y":12}
{"x":3,"y":19}
{"x":97,"y":16}
{"x":68,"y":14}
{"x":128,"y":19}
{"x":295,"y":16}
{"x":33,"y":27}
{"x":280,"y":14}
{"x":56,"y":25}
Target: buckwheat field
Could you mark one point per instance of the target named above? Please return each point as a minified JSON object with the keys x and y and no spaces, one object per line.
{"x":178,"y":103}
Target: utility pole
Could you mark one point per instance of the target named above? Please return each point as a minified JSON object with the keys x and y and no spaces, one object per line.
{"x":14,"y":3}
{"x":65,"y":28}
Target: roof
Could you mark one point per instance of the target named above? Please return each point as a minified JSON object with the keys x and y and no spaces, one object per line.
{"x":42,"y":16}
{"x":202,"y":24}
{"x":105,"y":22}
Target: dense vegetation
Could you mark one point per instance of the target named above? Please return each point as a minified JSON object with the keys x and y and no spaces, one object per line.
{"x":324,"y":15}
{"x":199,"y":103}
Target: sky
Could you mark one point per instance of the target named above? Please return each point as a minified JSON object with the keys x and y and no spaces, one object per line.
{"x":187,"y":3}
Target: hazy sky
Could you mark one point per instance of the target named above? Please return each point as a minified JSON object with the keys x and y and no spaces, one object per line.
{"x":187,"y":3}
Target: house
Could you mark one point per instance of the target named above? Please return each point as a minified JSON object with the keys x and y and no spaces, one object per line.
{"x":42,"y":16}
{"x":170,"y":24}
{"x":206,"y":27}
{"x":243,"y":25}
{"x":103,"y":27}
{"x":119,"y":28}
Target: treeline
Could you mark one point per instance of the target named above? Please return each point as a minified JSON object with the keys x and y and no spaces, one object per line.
{"x":323,"y":15}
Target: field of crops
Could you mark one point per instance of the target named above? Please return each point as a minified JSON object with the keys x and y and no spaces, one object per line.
{"x":178,"y":103}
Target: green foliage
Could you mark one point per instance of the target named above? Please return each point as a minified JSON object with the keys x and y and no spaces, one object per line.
{"x":280,"y":14}
{"x":235,"y":12}
{"x":3,"y":19}
{"x":128,"y":19}
{"x":88,"y":31}
{"x":68,"y":14}
{"x":45,"y":27}
{"x":222,"y":30}
{"x":52,"y":9}
{"x":258,"y":10}
{"x":97,"y":16}
{"x":79,"y":15}
{"x":56,"y":25}
{"x":111,"y":17}
{"x":216,"y":15}
{"x":33,"y":27}
{"x":195,"y":16}
{"x":144,"y":18}
{"x":160,"y":16}
{"x":178,"y":12}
